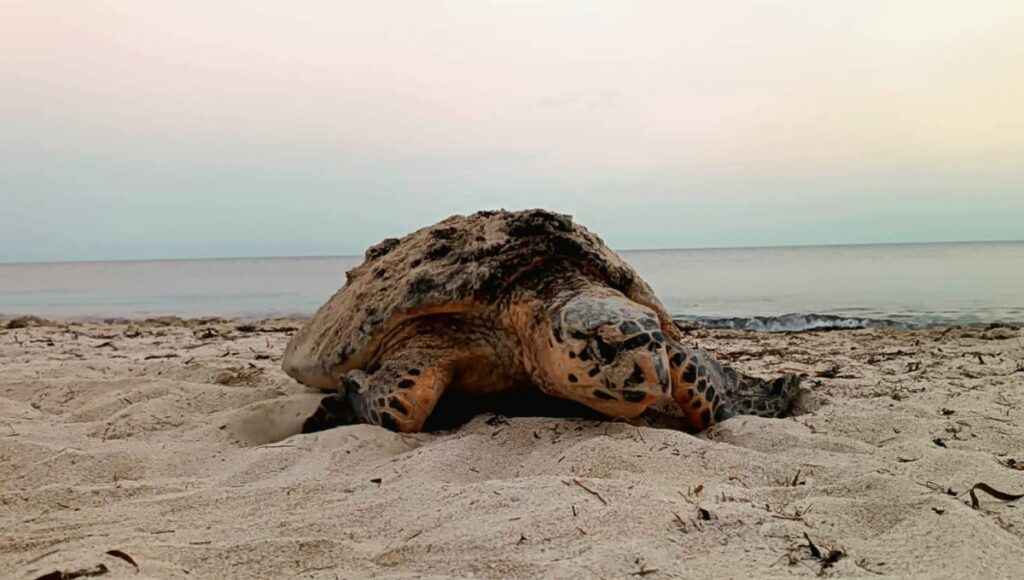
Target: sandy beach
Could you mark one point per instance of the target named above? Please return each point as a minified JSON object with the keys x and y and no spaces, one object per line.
{"x":174,"y":445}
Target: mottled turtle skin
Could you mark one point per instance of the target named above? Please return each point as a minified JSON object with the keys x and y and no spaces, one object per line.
{"x":500,"y":301}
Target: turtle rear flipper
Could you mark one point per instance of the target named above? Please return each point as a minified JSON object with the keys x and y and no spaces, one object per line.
{"x":334,"y":411}
{"x":756,"y":396}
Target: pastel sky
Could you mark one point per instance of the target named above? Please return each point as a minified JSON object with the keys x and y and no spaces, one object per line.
{"x":140,"y":129}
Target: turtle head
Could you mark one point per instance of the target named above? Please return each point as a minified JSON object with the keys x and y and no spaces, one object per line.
{"x":607,"y":352}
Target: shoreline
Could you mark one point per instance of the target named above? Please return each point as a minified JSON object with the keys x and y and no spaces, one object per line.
{"x":716,"y":323}
{"x":175,"y":441}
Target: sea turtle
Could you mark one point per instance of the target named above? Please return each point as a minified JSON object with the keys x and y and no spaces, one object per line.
{"x":504,"y":300}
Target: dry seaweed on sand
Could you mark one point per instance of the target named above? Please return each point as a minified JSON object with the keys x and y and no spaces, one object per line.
{"x":827,"y":558}
{"x":124,"y":556}
{"x":1000,"y":495}
{"x":97,"y":570}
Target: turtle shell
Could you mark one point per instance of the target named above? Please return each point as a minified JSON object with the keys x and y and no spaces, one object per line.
{"x":462,"y":264}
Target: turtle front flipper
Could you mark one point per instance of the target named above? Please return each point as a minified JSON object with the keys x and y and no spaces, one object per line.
{"x":401,"y":391}
{"x":399,"y":397}
{"x":709,"y":393}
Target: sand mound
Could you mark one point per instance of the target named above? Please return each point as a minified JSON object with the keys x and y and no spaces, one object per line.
{"x":177,"y":444}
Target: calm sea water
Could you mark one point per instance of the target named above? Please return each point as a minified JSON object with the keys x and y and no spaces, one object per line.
{"x":905,"y":284}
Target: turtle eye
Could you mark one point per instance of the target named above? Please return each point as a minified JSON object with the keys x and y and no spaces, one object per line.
{"x":605,"y":352}
{"x":556,"y":330}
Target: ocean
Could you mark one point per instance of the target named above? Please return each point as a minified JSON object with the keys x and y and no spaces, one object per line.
{"x":768,"y":289}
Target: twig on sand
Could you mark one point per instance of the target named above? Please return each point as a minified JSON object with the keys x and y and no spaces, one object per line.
{"x":789,"y":557}
{"x":38,"y":558}
{"x":997,"y":419}
{"x":644,"y":570}
{"x":862,"y":564}
{"x":680,"y":521}
{"x":797,"y":515}
{"x":590,"y":491}
{"x":936,"y":487}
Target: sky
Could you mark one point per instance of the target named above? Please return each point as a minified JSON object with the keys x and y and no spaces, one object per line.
{"x":141,"y":129}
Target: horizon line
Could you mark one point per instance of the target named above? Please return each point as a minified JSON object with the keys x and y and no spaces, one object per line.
{"x":332,"y":256}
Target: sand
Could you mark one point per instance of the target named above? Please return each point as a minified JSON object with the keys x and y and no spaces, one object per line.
{"x":176,"y":443}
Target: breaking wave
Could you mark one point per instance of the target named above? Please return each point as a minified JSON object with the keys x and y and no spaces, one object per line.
{"x":798,"y":322}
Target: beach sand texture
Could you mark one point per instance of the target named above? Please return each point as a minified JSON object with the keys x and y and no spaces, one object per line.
{"x":174,"y":442}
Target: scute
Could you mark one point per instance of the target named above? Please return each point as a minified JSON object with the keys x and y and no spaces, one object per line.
{"x":461,"y":264}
